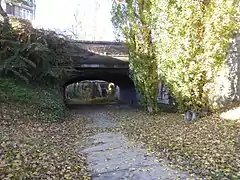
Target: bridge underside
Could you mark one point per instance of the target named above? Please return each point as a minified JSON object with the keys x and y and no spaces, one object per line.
{"x":119,"y":77}
{"x":108,"y":54}
{"x":106,"y":61}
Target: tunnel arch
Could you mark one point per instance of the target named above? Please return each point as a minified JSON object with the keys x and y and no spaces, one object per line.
{"x":121,"y":79}
{"x":118,"y":77}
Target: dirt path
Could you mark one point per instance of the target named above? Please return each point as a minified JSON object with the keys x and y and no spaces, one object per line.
{"x":112,"y":157}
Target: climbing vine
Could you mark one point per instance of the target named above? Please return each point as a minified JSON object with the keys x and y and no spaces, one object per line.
{"x":192,"y":41}
{"x":134,"y":21}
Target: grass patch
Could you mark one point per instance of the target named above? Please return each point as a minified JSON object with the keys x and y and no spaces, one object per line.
{"x":45,"y":102}
{"x":209,"y":147}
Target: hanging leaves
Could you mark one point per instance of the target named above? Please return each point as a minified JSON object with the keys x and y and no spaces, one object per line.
{"x":192,"y":41}
{"x":134,"y":21}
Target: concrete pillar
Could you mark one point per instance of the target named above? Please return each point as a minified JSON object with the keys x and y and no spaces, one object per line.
{"x":117,"y":93}
{"x":64,"y":92}
{"x":128,"y":95}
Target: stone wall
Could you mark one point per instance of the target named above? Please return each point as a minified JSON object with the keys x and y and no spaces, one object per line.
{"x":163,"y":94}
{"x":227,"y":86}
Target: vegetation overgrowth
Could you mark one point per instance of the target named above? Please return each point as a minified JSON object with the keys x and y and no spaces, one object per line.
{"x":181,"y":43}
{"x":192,"y":46}
{"x":33,"y":66}
{"x":46,"y":103}
{"x":33,"y":55}
{"x":184,"y":47}
{"x":134,"y":20}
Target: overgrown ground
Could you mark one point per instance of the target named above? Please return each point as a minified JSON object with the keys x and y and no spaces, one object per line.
{"x":35,"y":142}
{"x":36,"y":145}
{"x":46,"y":102}
{"x":209,"y":147}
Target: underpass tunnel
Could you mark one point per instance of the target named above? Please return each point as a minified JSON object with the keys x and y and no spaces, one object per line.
{"x":120,"y":85}
{"x":90,"y":91}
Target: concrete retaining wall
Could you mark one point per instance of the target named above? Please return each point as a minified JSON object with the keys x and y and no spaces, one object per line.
{"x":227,"y":86}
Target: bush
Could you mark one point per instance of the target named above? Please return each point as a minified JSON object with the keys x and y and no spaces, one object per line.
{"x":192,"y":41}
{"x":34,"y":55}
{"x":33,"y":66}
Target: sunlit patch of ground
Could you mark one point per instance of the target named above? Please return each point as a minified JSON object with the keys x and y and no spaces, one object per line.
{"x":232,"y":114}
{"x":209,"y":147}
{"x":33,"y":150}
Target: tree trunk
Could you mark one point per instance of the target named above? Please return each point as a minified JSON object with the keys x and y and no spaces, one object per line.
{"x":99,"y":89}
{"x":150,"y":109}
{"x":92,"y":90}
{"x":195,"y":116}
{"x":4,"y":14}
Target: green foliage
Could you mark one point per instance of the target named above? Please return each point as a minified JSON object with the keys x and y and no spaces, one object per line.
{"x":38,"y":58}
{"x":188,"y":49}
{"x":89,"y":93}
{"x":32,"y":54}
{"x":134,"y":20}
{"x":192,"y":41}
{"x":47,"y":102}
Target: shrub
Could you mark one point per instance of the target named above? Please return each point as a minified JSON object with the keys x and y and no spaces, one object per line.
{"x":192,"y":41}
{"x":34,"y":54}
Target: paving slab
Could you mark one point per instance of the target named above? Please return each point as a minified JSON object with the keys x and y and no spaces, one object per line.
{"x":112,"y":157}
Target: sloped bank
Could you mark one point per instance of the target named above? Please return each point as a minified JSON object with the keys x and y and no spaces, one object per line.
{"x":35,"y":142}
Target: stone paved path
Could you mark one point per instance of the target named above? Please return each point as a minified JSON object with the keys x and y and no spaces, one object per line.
{"x":112,"y":157}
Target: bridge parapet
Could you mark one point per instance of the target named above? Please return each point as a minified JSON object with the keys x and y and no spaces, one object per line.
{"x":115,"y":50}
{"x":112,"y":66}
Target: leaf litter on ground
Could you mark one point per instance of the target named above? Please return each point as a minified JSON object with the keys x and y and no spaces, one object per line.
{"x":209,"y":147}
{"x":30,"y":149}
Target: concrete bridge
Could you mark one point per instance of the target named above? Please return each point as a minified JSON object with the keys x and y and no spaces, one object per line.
{"x":99,"y":54}
{"x":101,"y":60}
